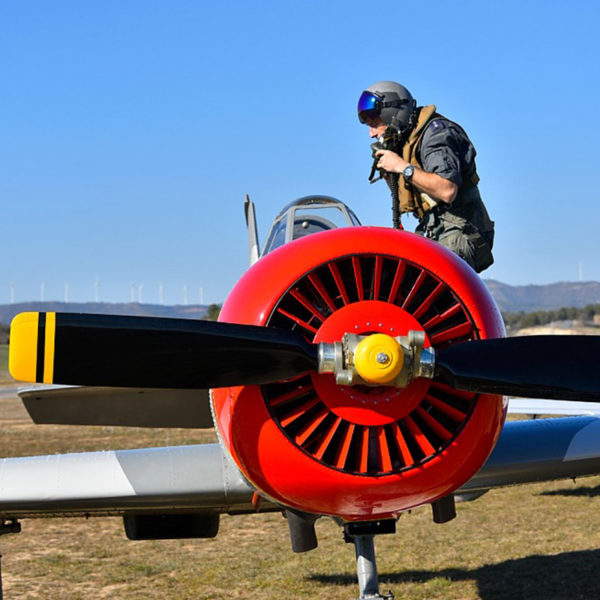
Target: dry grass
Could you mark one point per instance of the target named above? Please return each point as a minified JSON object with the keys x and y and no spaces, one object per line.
{"x":534,"y":542}
{"x":4,"y":374}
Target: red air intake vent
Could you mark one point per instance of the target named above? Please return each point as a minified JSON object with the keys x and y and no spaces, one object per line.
{"x":370,"y":430}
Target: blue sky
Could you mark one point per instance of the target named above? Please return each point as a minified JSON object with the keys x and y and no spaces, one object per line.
{"x":131,"y":131}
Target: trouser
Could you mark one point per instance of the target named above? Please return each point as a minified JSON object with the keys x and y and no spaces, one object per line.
{"x":460,"y":236}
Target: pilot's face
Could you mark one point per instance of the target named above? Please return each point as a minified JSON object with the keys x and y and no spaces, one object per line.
{"x":376,"y":126}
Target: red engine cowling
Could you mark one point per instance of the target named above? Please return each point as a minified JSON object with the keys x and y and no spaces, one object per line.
{"x":360,"y":453}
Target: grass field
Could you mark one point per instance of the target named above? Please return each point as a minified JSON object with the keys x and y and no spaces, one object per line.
{"x":4,"y":374}
{"x":533,"y":542}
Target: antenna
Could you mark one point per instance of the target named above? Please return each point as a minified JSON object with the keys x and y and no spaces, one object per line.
{"x":42,"y":291}
{"x":253,"y":245}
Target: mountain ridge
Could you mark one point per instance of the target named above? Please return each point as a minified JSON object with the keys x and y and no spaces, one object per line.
{"x":192,"y":311}
{"x":550,"y":296}
{"x":509,"y":298}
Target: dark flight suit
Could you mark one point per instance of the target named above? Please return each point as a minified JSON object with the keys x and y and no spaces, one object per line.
{"x":463,"y":226}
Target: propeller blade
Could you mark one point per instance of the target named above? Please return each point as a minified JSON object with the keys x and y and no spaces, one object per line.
{"x":124,"y":351}
{"x":560,"y":367}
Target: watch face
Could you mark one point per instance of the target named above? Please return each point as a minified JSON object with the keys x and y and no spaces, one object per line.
{"x":408,"y":172}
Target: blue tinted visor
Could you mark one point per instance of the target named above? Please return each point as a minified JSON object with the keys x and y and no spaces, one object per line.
{"x":369,"y":106}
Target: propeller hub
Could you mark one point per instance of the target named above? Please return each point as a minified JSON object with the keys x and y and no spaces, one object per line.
{"x":378,"y":359}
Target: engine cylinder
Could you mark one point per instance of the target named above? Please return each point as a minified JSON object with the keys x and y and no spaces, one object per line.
{"x":360,"y":452}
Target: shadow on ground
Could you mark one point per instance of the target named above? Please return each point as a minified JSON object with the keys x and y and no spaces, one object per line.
{"x":571,"y":575}
{"x":583,"y":492}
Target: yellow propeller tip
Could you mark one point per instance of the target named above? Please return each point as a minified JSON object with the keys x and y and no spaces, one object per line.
{"x":31,"y":349}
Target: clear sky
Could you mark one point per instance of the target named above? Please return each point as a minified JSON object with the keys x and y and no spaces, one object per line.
{"x":131,"y":131}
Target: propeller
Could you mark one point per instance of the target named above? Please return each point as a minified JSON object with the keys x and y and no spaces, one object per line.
{"x":559,"y":367}
{"x":127,"y":351}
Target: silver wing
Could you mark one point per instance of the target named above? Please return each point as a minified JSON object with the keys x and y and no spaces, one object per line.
{"x":535,"y":406}
{"x":202,"y":478}
{"x":173,"y":479}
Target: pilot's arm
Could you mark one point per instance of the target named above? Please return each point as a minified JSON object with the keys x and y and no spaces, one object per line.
{"x":445,"y":152}
{"x":434,"y":185}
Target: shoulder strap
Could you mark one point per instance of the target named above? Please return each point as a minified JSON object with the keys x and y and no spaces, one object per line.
{"x":426,"y":114}
{"x":410,"y":198}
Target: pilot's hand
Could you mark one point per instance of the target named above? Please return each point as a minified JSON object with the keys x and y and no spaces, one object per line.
{"x":389,"y":161}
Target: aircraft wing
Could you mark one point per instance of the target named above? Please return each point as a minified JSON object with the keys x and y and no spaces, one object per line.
{"x":132,"y":407}
{"x":203,"y":478}
{"x":541,"y":450}
{"x":535,"y":406}
{"x":171,"y":479}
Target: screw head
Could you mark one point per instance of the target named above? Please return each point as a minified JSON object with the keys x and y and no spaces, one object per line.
{"x":383,"y":358}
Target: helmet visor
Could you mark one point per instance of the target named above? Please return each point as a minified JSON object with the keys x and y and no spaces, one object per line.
{"x":369,"y":106}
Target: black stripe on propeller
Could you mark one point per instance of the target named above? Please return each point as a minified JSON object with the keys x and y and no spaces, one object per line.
{"x":560,"y":367}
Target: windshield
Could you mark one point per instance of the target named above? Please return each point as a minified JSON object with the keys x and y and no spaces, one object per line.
{"x":307,"y":215}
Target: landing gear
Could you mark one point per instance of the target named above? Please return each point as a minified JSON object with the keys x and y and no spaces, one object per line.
{"x":362,"y":534}
{"x":366,"y":569}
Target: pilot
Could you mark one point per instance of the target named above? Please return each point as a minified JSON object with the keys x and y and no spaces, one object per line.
{"x":429,"y":165}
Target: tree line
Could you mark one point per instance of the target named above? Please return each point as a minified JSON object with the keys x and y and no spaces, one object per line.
{"x":522,"y":319}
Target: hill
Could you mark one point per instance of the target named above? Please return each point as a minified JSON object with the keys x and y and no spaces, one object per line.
{"x":8,"y":311}
{"x":528,"y":298}
{"x":510,"y":298}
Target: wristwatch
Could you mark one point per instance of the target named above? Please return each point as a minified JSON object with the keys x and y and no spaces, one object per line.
{"x":408,"y":172}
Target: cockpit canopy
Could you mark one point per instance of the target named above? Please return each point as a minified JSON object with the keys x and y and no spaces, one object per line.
{"x":306,"y":215}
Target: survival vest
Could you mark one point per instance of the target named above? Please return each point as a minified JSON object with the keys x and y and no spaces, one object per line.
{"x":412,"y":199}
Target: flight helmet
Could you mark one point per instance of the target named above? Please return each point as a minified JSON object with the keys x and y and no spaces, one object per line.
{"x":390,"y":101}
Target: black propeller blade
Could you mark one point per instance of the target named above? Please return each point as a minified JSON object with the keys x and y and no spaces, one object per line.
{"x":124,"y":351}
{"x":560,"y":367}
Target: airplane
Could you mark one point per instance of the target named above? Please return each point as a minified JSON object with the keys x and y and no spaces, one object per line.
{"x":354,"y":373}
